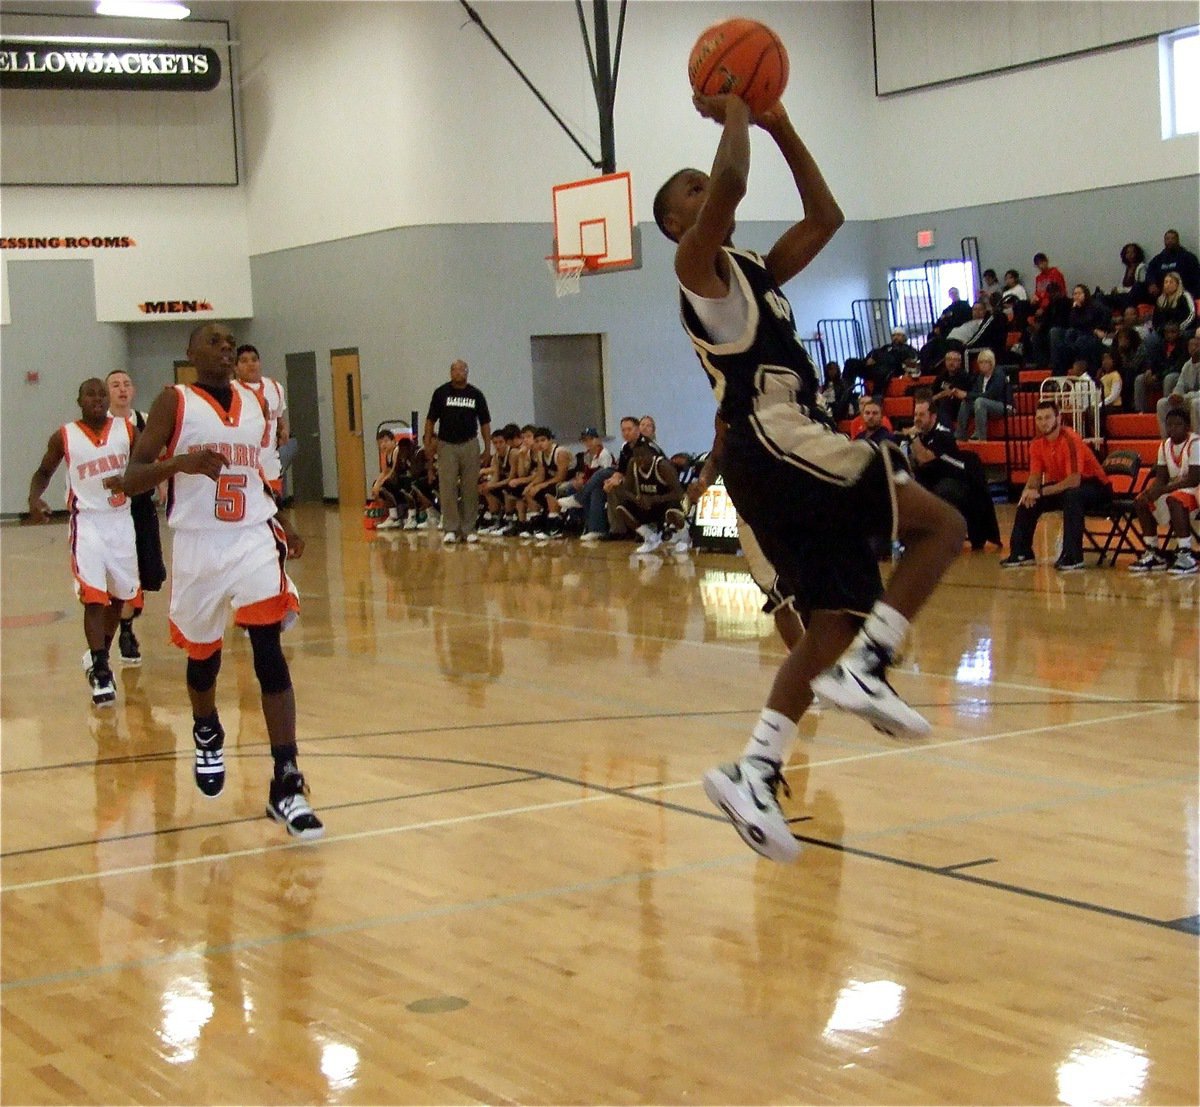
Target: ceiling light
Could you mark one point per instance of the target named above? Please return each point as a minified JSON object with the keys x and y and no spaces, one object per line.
{"x":143,"y":9}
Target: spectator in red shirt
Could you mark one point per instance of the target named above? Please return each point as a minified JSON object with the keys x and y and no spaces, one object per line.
{"x":1047,"y":275}
{"x":1065,"y":476}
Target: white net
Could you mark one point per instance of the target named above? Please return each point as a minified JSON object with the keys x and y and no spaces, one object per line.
{"x":566,"y":270}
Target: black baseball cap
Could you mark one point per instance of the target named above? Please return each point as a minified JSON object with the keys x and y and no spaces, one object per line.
{"x":589,"y":432}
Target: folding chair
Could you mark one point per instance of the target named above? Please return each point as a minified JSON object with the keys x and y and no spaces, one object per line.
{"x":1111,"y":532}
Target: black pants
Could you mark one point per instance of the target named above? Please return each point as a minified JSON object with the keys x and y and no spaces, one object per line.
{"x":1092,"y":495}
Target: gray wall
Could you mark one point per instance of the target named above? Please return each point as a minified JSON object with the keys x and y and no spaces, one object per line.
{"x":1081,"y":232}
{"x":55,"y":334}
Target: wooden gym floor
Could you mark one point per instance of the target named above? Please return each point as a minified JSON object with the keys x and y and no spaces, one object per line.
{"x":524,"y":897}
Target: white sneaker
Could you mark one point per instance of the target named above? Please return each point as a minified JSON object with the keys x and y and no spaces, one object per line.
{"x":683,"y":541}
{"x":651,"y":544}
{"x":390,"y":524}
{"x":411,"y":523}
{"x":1185,"y":564}
{"x":591,"y":536}
{"x":449,"y":538}
{"x":472,"y":538}
{"x":745,"y":792}
{"x":858,"y":684}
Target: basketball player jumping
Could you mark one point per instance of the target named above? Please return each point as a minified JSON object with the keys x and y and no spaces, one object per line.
{"x":229,"y":550}
{"x":813,"y":498}
{"x":103,"y":551}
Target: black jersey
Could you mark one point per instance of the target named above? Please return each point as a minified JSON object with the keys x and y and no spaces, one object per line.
{"x":765,"y":384}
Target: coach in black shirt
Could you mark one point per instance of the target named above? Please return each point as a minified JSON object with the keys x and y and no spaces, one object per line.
{"x":460,"y":412}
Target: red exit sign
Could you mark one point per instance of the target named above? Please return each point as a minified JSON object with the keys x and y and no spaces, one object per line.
{"x":924,"y":240}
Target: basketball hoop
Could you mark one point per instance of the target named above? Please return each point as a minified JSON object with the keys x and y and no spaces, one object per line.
{"x":567,"y":269}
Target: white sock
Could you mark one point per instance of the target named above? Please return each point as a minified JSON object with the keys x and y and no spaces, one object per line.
{"x":1151,"y":542}
{"x":393,"y":513}
{"x":645,"y":530}
{"x":886,"y":627}
{"x":1185,"y":543}
{"x":771,"y":736}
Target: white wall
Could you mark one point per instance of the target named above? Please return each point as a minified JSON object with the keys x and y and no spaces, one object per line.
{"x":416,"y":119}
{"x":1083,"y":123}
{"x":191,"y":244}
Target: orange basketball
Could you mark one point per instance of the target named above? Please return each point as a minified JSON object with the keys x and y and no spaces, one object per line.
{"x":743,"y":57}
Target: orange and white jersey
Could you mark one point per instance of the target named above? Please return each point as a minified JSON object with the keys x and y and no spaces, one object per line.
{"x":239,"y":496}
{"x":92,"y":456}
{"x":271,"y":396}
{"x":1179,"y":459}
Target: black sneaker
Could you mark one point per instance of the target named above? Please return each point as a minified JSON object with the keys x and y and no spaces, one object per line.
{"x":104,"y":688}
{"x":1066,"y":565}
{"x":288,"y":804}
{"x":209,"y":769}
{"x":127,"y":644}
{"x":1018,"y":561}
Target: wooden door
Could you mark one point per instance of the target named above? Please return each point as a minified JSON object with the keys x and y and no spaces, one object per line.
{"x":347,"y":427}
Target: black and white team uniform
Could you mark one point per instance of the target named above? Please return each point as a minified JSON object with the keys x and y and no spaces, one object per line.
{"x":814,"y":499}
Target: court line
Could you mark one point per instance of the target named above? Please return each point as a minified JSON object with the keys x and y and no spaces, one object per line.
{"x":423,"y":914}
{"x":162,"y":832}
{"x":601,"y":793}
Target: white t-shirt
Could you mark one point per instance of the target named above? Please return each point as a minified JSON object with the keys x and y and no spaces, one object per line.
{"x":725,"y":319}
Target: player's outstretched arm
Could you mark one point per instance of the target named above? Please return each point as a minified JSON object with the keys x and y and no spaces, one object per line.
{"x":822,"y":216}
{"x":145,"y":470}
{"x":700,"y":264}
{"x":39,"y":510}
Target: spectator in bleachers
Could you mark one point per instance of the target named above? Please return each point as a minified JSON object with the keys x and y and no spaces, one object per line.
{"x":990,"y":289}
{"x":1111,"y":383}
{"x":957,"y":312}
{"x":1055,"y":312}
{"x":949,"y":473}
{"x":594,"y":458}
{"x":1131,"y":290}
{"x":1065,"y":476}
{"x":987,"y":396}
{"x":950,"y":388}
{"x":593,"y":497}
{"x":888,"y":362}
{"x":1132,"y":357}
{"x":873,"y":430}
{"x":649,"y":431}
{"x":1182,"y":388}
{"x":650,"y":499}
{"x":1173,"y":259}
{"x":984,"y":330}
{"x":1131,"y":317}
{"x":1174,"y":305}
{"x":1164,"y":355}
{"x":837,"y":393}
{"x":1171,"y":498}
{"x":1048,"y":277}
{"x":1013,"y":288}
{"x":1087,"y":323}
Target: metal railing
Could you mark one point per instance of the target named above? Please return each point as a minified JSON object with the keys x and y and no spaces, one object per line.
{"x":874,"y":318}
{"x":840,"y":339}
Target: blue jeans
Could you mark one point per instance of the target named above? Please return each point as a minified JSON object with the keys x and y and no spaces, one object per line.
{"x":981,"y":407}
{"x":593,"y":500}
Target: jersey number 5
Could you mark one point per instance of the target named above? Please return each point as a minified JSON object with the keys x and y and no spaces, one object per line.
{"x":230,"y":506}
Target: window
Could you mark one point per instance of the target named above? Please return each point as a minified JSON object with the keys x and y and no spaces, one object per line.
{"x":1179,"y":82}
